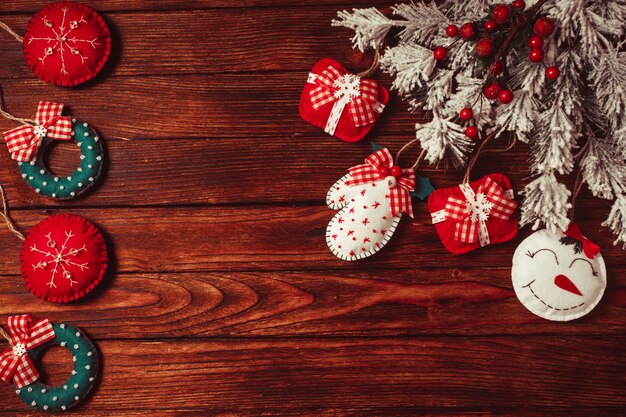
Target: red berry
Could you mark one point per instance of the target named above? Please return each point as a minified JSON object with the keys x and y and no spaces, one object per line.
{"x":467,"y":31}
{"x":536,"y":55}
{"x":440,"y":53}
{"x":466,"y":114}
{"x":519,"y":4}
{"x":501,"y":13}
{"x":497,"y":68}
{"x":544,"y":26}
{"x":471,"y":132}
{"x":490,"y":25}
{"x":384,"y":172}
{"x":535,"y":42}
{"x":452,"y":31}
{"x":552,"y":73}
{"x":396,"y":171}
{"x":484,"y":48}
{"x":505,"y":97}
{"x":492,"y":91}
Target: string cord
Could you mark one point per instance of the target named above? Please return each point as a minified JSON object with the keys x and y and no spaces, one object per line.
{"x":419,"y":158}
{"x":7,"y":217}
{"x":373,"y":66}
{"x":9,"y":116}
{"x":11,"y":32}
{"x":6,"y":336}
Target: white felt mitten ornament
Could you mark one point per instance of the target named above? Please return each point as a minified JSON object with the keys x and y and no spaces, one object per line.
{"x":558,"y":276}
{"x":371,"y":199}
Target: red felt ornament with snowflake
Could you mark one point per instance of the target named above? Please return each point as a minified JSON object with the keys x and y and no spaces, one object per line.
{"x":64,"y":257}
{"x":67,"y":43}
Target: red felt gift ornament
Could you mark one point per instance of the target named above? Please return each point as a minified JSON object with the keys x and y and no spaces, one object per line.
{"x":343,"y":104}
{"x":476,"y":214}
{"x":66,"y":43}
{"x":63,"y":258}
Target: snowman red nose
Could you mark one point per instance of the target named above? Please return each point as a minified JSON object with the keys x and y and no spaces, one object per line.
{"x":565,"y":283}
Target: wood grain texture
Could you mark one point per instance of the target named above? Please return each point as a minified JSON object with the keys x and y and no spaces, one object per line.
{"x":267,"y":170}
{"x":354,"y":376}
{"x":419,"y":302}
{"x":222,"y":39}
{"x":222,"y":298}
{"x":269,"y":238}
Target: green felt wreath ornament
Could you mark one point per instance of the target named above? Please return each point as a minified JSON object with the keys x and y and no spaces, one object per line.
{"x":28,"y":341}
{"x":27,"y":145}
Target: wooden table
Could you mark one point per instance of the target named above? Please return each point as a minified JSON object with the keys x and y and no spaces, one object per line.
{"x":222,"y":297}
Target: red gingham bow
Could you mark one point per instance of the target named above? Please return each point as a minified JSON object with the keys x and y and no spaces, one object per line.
{"x":376,"y":167}
{"x":346,"y":90}
{"x":471,"y":213}
{"x":590,"y":248}
{"x":24,"y":141}
{"x":15,"y":362}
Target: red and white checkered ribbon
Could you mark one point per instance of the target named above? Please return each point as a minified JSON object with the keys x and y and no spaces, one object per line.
{"x":345,"y":90}
{"x":15,"y":362}
{"x":376,"y":168}
{"x":24,"y":141}
{"x":471,"y":214}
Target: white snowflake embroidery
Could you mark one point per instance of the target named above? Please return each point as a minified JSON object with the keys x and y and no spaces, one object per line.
{"x":480,"y":208}
{"x":347,"y":87}
{"x":60,"y":258}
{"x":60,"y":40}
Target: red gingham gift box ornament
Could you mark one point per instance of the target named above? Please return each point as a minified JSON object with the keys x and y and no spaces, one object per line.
{"x":470,"y":216}
{"x":66,"y":43}
{"x":341,"y":103}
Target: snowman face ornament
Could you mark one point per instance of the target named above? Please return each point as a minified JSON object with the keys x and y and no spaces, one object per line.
{"x":553,"y":277}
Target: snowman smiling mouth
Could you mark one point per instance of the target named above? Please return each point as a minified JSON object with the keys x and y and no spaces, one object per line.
{"x":562,"y":282}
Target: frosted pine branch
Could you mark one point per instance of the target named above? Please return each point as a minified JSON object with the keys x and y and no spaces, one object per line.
{"x":554,"y":142}
{"x":609,"y":80}
{"x":603,"y":167}
{"x":370,"y":27}
{"x":442,"y":138}
{"x":617,"y":220}
{"x":469,"y":94}
{"x":421,"y":21}
{"x":546,"y":201}
{"x":518,"y":117}
{"x":411,"y":64}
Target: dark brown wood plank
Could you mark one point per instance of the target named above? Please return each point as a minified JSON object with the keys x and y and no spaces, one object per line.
{"x":266,"y":238}
{"x":250,"y":107}
{"x":166,"y":5}
{"x":304,"y":377}
{"x":210,"y":41}
{"x":282,"y":169}
{"x":414,"y":302}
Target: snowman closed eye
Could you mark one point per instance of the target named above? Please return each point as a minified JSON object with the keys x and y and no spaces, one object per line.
{"x":556,"y":278}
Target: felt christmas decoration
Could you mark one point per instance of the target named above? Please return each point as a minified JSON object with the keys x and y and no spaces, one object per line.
{"x":558,"y":276}
{"x":63,"y":258}
{"x":345,"y":105}
{"x":28,"y":339}
{"x":371,"y":199}
{"x":474,"y":214}
{"x":27,"y":145}
{"x":66,"y":43}
{"x":560,"y":66}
